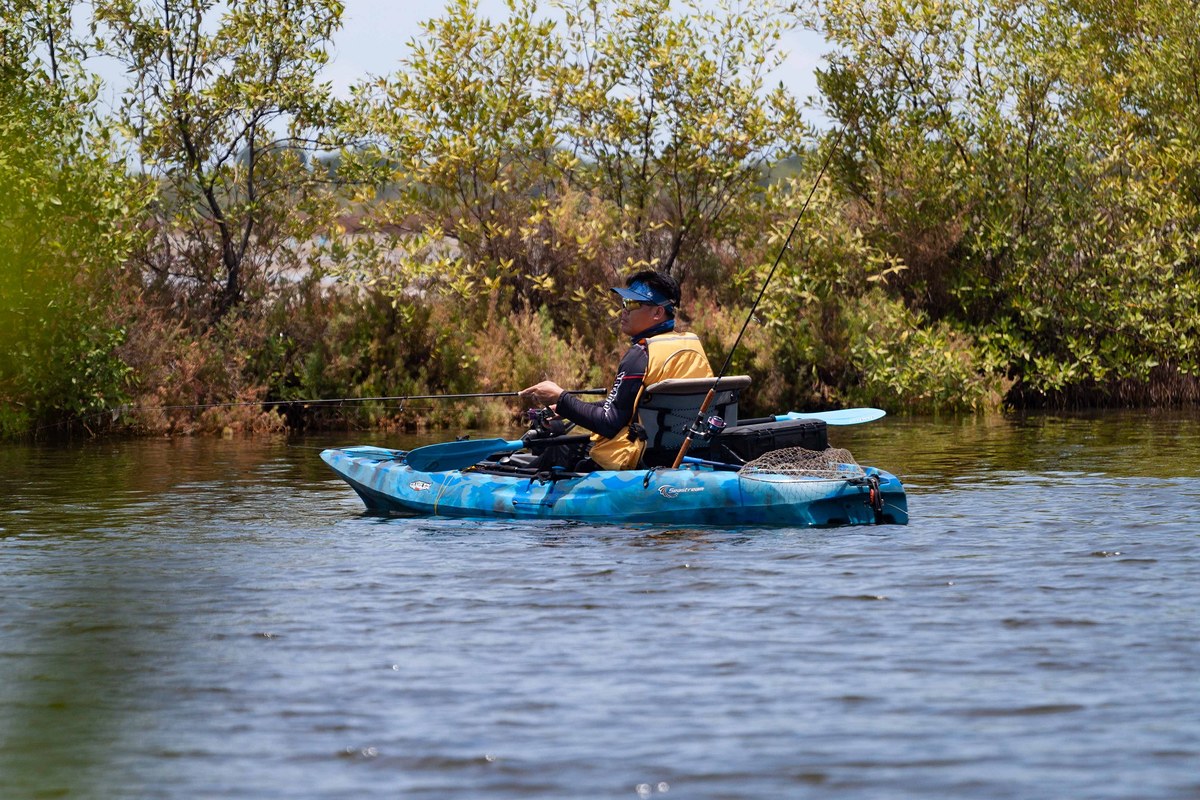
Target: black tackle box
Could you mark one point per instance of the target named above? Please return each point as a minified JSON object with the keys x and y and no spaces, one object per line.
{"x":742,"y":443}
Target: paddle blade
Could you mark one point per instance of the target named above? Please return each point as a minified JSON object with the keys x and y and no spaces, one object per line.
{"x":447,"y":456}
{"x":842,"y":416}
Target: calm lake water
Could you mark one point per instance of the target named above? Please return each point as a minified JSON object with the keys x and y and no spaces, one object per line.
{"x":214,"y":618}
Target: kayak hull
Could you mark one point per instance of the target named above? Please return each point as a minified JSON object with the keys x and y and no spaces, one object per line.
{"x":693,"y":495}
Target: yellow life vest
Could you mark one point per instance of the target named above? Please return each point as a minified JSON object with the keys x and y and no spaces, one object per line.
{"x":670,"y":355}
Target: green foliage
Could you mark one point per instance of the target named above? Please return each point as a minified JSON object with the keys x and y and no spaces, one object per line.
{"x":1012,"y":208}
{"x":899,"y":359}
{"x":837,"y":331}
{"x":467,"y":142}
{"x":224,"y":109}
{"x":530,"y":164}
{"x":666,"y":117}
{"x":64,"y":230}
{"x":1036,"y":169}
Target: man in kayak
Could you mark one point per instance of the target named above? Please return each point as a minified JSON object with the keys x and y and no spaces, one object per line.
{"x":657,"y":352}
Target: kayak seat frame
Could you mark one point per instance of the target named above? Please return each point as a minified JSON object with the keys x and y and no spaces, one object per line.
{"x":667,"y":409}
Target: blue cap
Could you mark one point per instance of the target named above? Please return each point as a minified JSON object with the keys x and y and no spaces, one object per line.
{"x":644,"y":293}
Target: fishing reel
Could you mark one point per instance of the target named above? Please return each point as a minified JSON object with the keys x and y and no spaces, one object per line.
{"x":544,"y":423}
{"x":705,"y":429}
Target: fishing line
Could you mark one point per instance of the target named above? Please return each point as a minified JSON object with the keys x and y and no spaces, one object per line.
{"x":699,"y":424}
{"x":402,"y":398}
{"x":399,"y":400}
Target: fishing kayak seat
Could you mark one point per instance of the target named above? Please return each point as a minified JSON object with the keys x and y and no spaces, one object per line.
{"x":668,"y":408}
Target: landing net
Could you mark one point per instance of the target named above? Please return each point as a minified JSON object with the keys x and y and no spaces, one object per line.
{"x":796,"y":463}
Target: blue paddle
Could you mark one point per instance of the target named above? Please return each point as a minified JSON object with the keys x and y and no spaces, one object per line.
{"x":459,"y":455}
{"x":843,"y":416}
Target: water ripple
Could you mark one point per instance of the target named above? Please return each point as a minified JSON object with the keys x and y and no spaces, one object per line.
{"x":220,"y":619}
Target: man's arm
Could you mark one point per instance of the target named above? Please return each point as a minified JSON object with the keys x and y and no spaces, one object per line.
{"x":611,"y":415}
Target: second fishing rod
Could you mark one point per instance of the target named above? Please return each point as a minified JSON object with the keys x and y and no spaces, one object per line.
{"x":700,"y":428}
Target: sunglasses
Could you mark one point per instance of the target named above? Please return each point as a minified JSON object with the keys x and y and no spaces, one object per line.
{"x":630,"y":305}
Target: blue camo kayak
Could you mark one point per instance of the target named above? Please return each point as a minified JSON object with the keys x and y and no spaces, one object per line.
{"x":695,"y":494}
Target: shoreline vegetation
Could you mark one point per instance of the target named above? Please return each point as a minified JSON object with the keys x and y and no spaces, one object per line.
{"x":1010,"y":219}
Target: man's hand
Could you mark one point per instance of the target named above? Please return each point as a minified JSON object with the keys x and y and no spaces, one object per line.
{"x":545,"y":393}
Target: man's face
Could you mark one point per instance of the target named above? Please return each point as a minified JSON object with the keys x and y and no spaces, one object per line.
{"x":642,"y":316}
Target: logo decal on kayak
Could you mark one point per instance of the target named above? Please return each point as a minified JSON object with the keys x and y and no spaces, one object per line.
{"x":419,"y":486}
{"x":671,"y":492}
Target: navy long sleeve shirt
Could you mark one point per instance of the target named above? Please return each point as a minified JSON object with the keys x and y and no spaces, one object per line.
{"x":610,"y":415}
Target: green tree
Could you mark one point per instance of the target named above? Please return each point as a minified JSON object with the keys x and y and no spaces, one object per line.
{"x":1033,"y":166}
{"x":65,"y":206}
{"x":462,"y":140}
{"x":224,"y":108}
{"x":540,"y":160}
{"x":669,"y":120}
{"x":1130,"y":247}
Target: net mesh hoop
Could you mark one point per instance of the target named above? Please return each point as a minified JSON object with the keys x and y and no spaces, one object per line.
{"x":799,"y":464}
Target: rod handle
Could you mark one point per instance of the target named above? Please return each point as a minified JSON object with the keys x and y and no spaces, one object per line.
{"x":687,"y":442}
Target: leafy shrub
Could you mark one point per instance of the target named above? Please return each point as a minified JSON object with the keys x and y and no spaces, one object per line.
{"x":902,"y":361}
{"x":63,"y":237}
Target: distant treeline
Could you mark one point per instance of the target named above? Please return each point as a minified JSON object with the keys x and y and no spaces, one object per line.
{"x":1010,"y":216}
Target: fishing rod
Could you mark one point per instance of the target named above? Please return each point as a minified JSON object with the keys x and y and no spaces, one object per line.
{"x":332,"y":400}
{"x":406,"y":397}
{"x":125,"y":408}
{"x":699,"y":427}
